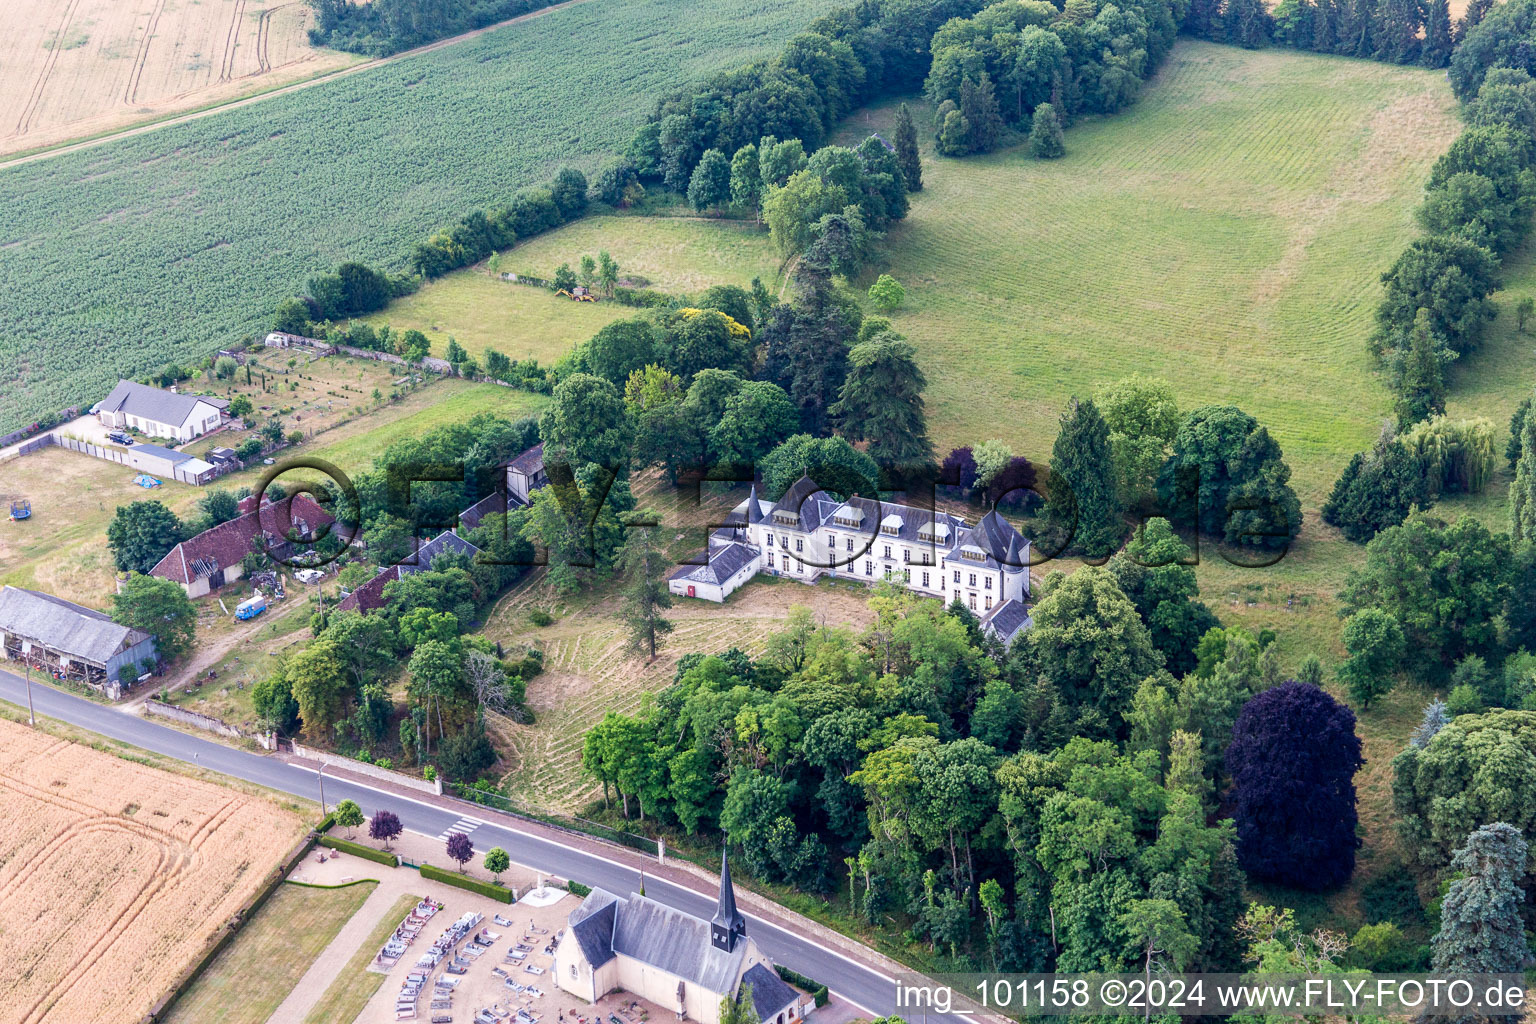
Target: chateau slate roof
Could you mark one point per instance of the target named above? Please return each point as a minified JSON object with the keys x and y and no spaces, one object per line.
{"x":724,"y":561}
{"x":1006,"y":620}
{"x":530,"y":462}
{"x":495,"y":503}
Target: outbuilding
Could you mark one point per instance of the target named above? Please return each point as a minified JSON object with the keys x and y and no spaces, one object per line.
{"x":70,"y":641}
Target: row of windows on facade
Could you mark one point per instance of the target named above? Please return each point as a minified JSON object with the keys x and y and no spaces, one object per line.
{"x":790,"y":565}
{"x":906,"y":553}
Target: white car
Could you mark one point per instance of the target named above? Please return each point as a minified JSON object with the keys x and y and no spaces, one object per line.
{"x":308,"y":575}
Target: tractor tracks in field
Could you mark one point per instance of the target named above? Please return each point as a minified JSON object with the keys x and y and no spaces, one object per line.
{"x":232,"y":40}
{"x":131,"y":92}
{"x":35,"y":96}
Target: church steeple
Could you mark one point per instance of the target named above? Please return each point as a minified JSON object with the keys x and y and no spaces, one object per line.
{"x":727,"y":925}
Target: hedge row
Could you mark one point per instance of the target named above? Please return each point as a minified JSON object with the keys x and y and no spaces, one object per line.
{"x":359,"y":850}
{"x":817,"y":990}
{"x":495,"y":892}
{"x":578,"y":889}
{"x":643,"y":298}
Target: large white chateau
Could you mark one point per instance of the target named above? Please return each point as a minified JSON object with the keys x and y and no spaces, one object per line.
{"x":808,"y":534}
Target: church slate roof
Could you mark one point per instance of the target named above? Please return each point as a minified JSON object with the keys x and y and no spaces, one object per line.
{"x":769,"y":992}
{"x":592,"y":926}
{"x":675,"y":942}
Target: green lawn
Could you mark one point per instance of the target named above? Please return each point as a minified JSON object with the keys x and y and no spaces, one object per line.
{"x":1227,"y":233}
{"x":256,"y":971}
{"x":354,"y":445}
{"x":677,"y":255}
{"x":350,"y":992}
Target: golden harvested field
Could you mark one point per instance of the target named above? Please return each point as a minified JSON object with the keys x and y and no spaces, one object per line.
{"x":114,"y":875}
{"x":73,"y":68}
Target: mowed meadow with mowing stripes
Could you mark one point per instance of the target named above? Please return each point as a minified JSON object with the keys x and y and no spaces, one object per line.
{"x":166,"y":245}
{"x":1228,"y":233}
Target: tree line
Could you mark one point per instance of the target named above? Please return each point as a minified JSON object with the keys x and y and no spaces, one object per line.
{"x":382,"y":27}
{"x":1477,"y":208}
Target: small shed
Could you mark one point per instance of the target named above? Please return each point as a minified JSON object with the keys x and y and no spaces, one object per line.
{"x":195,"y":471}
{"x":153,"y":458}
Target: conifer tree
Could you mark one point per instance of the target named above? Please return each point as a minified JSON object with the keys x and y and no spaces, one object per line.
{"x":906,"y":150}
{"x":978,"y":105}
{"x":1436,"y":52}
{"x":1522,"y":490}
{"x":645,"y":592}
{"x":882,"y":398}
{"x":1480,"y":927}
{"x":1083,"y":482}
{"x":1421,"y":377}
{"x":1397,"y":30}
{"x":1325,"y":26}
{"x":1045,"y":137}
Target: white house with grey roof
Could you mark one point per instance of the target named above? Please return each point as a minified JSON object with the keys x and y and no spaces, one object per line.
{"x":670,"y":958}
{"x":159,"y":413}
{"x":808,"y":534}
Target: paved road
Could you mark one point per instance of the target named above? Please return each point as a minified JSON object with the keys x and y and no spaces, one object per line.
{"x":853,"y":981}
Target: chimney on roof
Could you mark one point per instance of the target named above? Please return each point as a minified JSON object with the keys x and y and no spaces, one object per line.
{"x":727,"y":925}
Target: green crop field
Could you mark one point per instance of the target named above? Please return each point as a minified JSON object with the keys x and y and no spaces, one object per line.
{"x":166,"y":245}
{"x":676,"y":254}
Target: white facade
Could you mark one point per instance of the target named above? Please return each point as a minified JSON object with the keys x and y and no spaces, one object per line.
{"x":159,"y":413}
{"x":809,"y":534}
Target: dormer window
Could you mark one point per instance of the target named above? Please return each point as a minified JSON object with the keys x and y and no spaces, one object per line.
{"x":786,"y":517}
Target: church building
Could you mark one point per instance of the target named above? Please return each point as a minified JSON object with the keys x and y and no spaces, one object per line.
{"x":670,"y":958}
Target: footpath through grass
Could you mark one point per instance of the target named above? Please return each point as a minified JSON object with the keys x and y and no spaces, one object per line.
{"x":350,"y":992}
{"x":259,"y":968}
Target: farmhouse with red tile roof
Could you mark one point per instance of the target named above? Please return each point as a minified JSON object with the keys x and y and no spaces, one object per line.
{"x":206,"y":562}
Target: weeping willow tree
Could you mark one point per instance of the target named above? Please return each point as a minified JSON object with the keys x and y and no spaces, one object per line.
{"x":1457,"y":455}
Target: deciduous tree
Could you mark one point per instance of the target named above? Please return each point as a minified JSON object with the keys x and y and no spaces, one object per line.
{"x":141,"y":533}
{"x":1293,"y":759}
{"x":160,"y":608}
{"x":384,"y":826}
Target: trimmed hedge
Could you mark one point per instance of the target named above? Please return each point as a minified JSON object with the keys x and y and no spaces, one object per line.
{"x":578,"y":889}
{"x":643,"y":298}
{"x":495,"y":892}
{"x":326,"y":823}
{"x":359,"y":850}
{"x":817,"y":990}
